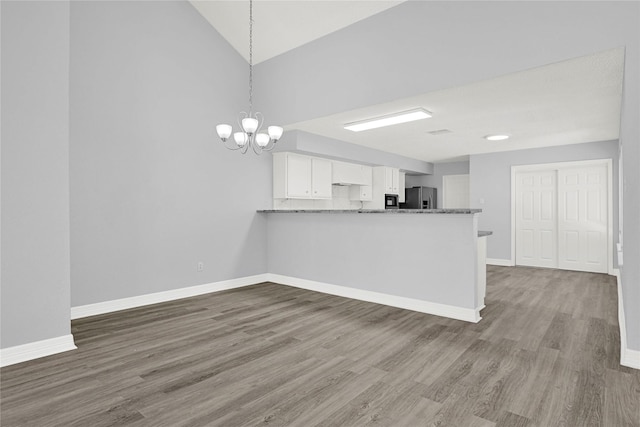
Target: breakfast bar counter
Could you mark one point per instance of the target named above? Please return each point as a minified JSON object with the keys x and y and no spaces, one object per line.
{"x":421,"y":260}
{"x":377,"y":211}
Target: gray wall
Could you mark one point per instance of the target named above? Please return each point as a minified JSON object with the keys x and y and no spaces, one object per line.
{"x":153,"y":191}
{"x":429,"y":257}
{"x":402,"y":52}
{"x":491,"y":180}
{"x":435,"y":180}
{"x":630,"y":141}
{"x":35,"y":172}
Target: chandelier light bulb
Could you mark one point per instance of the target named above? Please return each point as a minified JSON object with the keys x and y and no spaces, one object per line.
{"x":275,"y":132}
{"x":262,"y":139}
{"x":224,"y":131}
{"x":250,"y":125}
{"x":241,"y":138}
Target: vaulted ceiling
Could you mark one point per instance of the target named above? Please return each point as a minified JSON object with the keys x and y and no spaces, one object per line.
{"x":569,"y":102}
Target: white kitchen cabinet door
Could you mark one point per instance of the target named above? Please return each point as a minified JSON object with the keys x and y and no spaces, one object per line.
{"x":361,"y":193}
{"x":401,"y":195}
{"x":582,"y":219}
{"x":391,"y":180}
{"x":388,"y":180}
{"x":395,"y":181}
{"x":301,"y":177}
{"x":320,"y":179}
{"x":536,"y":222}
{"x":298,"y":176}
{"x":366,"y":172}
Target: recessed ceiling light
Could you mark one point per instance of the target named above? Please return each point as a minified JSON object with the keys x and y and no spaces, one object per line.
{"x":496,"y":137}
{"x":388,"y":120}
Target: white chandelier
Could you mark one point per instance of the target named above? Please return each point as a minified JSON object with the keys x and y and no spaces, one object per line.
{"x":250,"y":123}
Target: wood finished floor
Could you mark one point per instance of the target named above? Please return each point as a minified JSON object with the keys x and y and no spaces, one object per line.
{"x":545,"y":354}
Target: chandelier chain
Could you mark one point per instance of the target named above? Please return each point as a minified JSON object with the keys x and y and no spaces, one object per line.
{"x":250,"y":57}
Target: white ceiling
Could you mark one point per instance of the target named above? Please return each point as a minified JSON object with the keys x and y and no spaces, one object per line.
{"x":279,"y":26}
{"x":569,"y":102}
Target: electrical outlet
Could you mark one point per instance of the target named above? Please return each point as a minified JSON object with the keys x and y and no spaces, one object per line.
{"x":200,"y":266}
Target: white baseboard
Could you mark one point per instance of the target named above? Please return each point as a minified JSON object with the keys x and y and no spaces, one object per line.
{"x":500,"y":262}
{"x":628,"y":357}
{"x":158,"y":297}
{"x":34,"y":350}
{"x":23,"y":353}
{"x":459,"y":313}
{"x":450,"y":311}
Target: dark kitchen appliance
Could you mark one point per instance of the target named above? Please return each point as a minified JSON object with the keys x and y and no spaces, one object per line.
{"x":420,"y":198}
{"x":391,"y":201}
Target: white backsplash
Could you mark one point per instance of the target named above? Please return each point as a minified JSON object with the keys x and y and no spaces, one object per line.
{"x":339,"y":200}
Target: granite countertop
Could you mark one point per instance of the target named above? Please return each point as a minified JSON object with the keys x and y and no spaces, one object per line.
{"x":374,"y":211}
{"x":482,"y":233}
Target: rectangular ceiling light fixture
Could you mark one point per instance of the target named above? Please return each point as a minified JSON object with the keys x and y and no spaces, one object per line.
{"x":388,"y":120}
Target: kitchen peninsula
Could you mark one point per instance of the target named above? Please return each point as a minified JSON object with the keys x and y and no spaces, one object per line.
{"x":422,"y":260}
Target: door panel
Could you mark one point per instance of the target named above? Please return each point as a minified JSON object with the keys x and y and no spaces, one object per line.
{"x":547,"y":205}
{"x":527,"y":250}
{"x":571,"y":209}
{"x":571,"y":242}
{"x":593,"y":205}
{"x":594,"y":243}
{"x":527,"y":205}
{"x":536,"y":211}
{"x":584,"y":226}
{"x":547,"y":245}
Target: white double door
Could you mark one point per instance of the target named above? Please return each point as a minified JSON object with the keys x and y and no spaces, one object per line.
{"x":562,"y":218}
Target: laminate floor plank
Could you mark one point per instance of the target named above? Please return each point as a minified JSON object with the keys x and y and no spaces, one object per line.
{"x":531,"y":388}
{"x":381,"y":404}
{"x":443,"y":356}
{"x":220,"y":389}
{"x":291,"y":399}
{"x":499,"y":390}
{"x":621,"y":400}
{"x":426,"y":360}
{"x":318,"y":412}
{"x":513,"y":420}
{"x":546,"y":353}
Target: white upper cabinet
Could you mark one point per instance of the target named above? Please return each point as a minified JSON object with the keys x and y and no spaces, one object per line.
{"x":391,"y":180}
{"x":351,"y":174}
{"x":300,"y":177}
{"x":320,"y":179}
{"x":298,"y":173}
{"x":401,"y":196}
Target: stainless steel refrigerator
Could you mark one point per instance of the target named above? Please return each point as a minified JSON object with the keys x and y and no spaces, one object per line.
{"x":420,"y":198}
